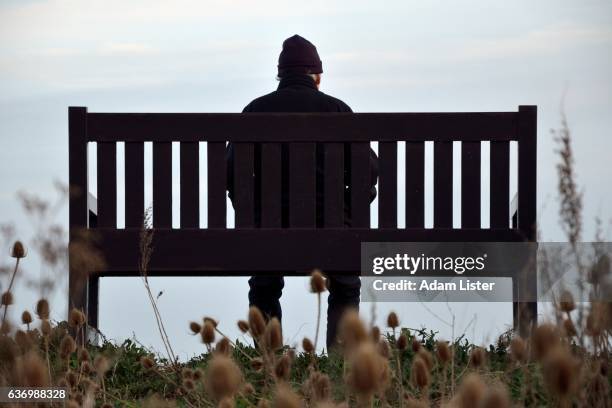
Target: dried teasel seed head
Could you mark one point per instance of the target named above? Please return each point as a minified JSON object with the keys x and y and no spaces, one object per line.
{"x":518,"y":349}
{"x":383,"y":348}
{"x":286,"y":398}
{"x":42,"y":309}
{"x":257,"y":324}
{"x":224,"y":347}
{"x":318,"y":388}
{"x":263,"y":403}
{"x":101,"y":364}
{"x":188,"y":384}
{"x":23,"y":340}
{"x":402,"y":342}
{"x":566,"y":302}
{"x":561,"y":372}
{"x":45,"y":328}
{"x":273,"y":338}
{"x":282,"y":368}
{"x":6,"y":328}
{"x":223,"y":377}
{"x":18,"y":250}
{"x":195,"y":327}
{"x":420,"y":374}
{"x":368,"y":372}
{"x":26,"y":317}
{"x":107,"y":405}
{"x":147,"y":362}
{"x":7,"y":299}
{"x":443,"y":352}
{"x":86,"y":367}
{"x":62,"y":383}
{"x":416,"y":344}
{"x":543,"y":339}
{"x":426,"y":356}
{"x":31,"y":371}
{"x":208,"y":333}
{"x":226,"y":403}
{"x":198,"y":374}
{"x":83,"y":354}
{"x":471,"y":391}
{"x":603,"y":367}
{"x":248,"y":389}
{"x":187,"y":373}
{"x":211,"y":321}
{"x":307,"y":345}
{"x":72,"y":404}
{"x":478,"y":357}
{"x":375,"y":334}
{"x":76,"y":318}
{"x":317,"y":282}
{"x":352,"y":330}
{"x":71,"y":378}
{"x":496,"y":396}
{"x":256,"y":363}
{"x":67,"y":346}
{"x":243,"y":325}
{"x":568,"y":328}
{"x":392,"y":320}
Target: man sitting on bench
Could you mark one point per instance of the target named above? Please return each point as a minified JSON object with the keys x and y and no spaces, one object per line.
{"x":299,"y":73}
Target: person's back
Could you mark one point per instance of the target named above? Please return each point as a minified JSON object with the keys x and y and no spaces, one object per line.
{"x":299,"y":72}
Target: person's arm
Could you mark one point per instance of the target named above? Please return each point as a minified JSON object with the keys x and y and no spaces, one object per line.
{"x":373,"y":160}
{"x":373,"y":174}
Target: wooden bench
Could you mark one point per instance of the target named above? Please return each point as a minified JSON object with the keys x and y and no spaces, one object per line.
{"x":245,"y":250}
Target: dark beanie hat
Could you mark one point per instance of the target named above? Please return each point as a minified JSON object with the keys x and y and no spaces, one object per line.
{"x":299,"y":56}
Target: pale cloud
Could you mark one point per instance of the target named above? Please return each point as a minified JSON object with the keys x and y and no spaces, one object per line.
{"x":123,"y":49}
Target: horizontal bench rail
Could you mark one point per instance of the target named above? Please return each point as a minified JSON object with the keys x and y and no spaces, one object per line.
{"x":300,"y":127}
{"x":272,"y":251}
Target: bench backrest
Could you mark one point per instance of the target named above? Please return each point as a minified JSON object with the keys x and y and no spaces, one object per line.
{"x":301,"y":245}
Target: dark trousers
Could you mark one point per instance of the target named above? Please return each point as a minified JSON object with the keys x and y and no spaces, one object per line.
{"x":265,"y":293}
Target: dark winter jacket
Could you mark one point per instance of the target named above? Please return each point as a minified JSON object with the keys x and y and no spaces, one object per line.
{"x":298,"y":93}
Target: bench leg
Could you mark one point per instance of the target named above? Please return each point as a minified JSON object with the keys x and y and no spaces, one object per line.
{"x":525,"y":314}
{"x":93,"y":291}
{"x":77,"y":292}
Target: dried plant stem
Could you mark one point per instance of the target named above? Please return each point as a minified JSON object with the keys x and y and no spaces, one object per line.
{"x":9,"y":288}
{"x":146,"y":239}
{"x":318,"y":321}
{"x":400,"y":379}
{"x":233,"y":344}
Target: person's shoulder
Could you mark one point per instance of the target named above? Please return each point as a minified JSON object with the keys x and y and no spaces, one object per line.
{"x":337,"y":103}
{"x":260,"y":102}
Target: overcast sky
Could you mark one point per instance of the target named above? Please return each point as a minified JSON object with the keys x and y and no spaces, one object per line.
{"x":216,"y":56}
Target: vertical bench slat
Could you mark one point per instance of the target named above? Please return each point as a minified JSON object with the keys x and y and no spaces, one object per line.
{"x":415,"y":184}
{"x":244,"y":184}
{"x":78,"y":209}
{"x":333,"y":188}
{"x":302,"y":185}
{"x":107,"y":184}
{"x":527,"y":169}
{"x":360,"y":185}
{"x":271,"y":185}
{"x":217,"y":183}
{"x":443,"y":184}
{"x":470,"y":184}
{"x":190,"y":184}
{"x":500,"y":184}
{"x":387,"y":198}
{"x":162,"y":184}
{"x":134,"y":184}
